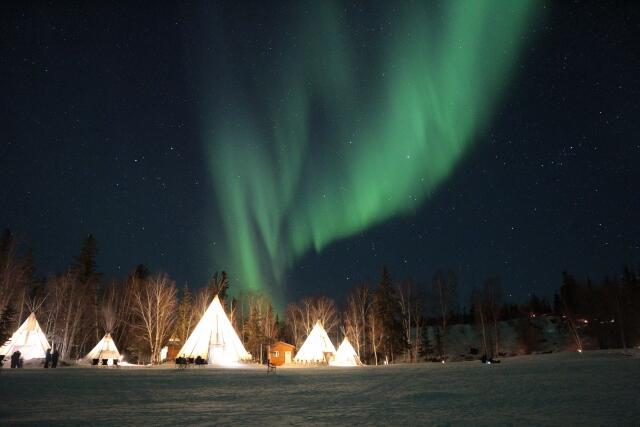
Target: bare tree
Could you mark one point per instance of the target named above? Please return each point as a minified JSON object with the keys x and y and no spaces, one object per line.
{"x":479,"y":310}
{"x":302,"y":317}
{"x":201,"y":303}
{"x":184,"y":319}
{"x":154,"y":304}
{"x":324,"y":310}
{"x":407,"y":300}
{"x":375,"y":334}
{"x":358,"y":306}
{"x":110,"y":307}
{"x":294,"y":321}
{"x":261,"y":327}
{"x":445,"y":292}
{"x":125,"y":332}
{"x":219,"y":285}
{"x":307,"y":316}
{"x":67,"y":305}
{"x":492,"y":300}
{"x":15,"y":272}
{"x":411,"y":309}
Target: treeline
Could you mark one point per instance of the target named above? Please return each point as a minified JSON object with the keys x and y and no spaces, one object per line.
{"x":609,"y":312}
{"x":387,"y":321}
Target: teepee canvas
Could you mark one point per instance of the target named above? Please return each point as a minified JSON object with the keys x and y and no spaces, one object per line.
{"x":317,"y":348}
{"x":28,"y":339}
{"x":105,"y":349}
{"x":346,"y":355}
{"x":214,"y":338}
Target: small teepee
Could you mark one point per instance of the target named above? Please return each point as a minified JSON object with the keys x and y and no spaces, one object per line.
{"x":28,"y":339}
{"x":105,"y":349}
{"x":346,"y":355}
{"x":214,"y":338}
{"x":317,"y":348}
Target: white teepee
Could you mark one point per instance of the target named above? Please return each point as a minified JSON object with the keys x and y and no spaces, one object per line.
{"x":317,"y":348}
{"x":346,"y":355}
{"x":105,"y":349}
{"x":214,"y":338}
{"x":28,"y":339}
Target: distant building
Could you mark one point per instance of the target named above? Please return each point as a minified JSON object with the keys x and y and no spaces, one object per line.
{"x":173,"y":348}
{"x":281,"y":353}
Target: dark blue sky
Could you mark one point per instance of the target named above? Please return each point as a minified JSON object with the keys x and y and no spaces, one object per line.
{"x":100,"y":134}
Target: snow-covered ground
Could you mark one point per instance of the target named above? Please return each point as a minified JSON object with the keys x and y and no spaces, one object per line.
{"x":592,"y":388}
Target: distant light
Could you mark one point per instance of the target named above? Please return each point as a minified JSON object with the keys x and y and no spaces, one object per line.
{"x":443,"y":361}
{"x":579,"y":350}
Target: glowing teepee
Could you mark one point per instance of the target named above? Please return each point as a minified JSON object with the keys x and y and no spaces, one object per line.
{"x":28,"y":339}
{"x":105,"y":349}
{"x":346,"y":355}
{"x":214,"y":338}
{"x":317,"y":348}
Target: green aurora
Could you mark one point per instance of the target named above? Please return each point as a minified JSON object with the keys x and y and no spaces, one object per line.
{"x":345,"y":128}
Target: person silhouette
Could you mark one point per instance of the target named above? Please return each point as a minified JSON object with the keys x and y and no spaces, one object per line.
{"x":54,"y":358}
{"x":18,"y":355}
{"x":47,"y":358}
{"x":14,"y":359}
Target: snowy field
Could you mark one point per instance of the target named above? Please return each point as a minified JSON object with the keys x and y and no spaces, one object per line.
{"x":593,"y":388}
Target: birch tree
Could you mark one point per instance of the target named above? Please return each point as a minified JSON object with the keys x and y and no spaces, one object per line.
{"x":324,"y":310}
{"x":444,"y":286}
{"x":358,"y":306}
{"x":294,"y":321}
{"x":66,"y":308}
{"x":154,"y":305}
{"x":16,"y":277}
{"x":407,"y":299}
{"x":492,"y":297}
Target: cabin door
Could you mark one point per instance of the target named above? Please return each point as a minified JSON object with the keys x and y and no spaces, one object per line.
{"x":287,"y":357}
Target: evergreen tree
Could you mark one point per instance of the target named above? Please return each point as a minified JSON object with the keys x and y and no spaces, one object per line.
{"x":254,"y":332}
{"x":535,"y":304}
{"x":85,"y":265}
{"x":141,"y":272}
{"x":6,"y":241}
{"x":183,"y":321}
{"x":569,"y":293}
{"x":7,"y":318}
{"x":85,"y":270}
{"x":219,"y":285}
{"x":528,"y":333}
{"x":557,"y":305}
{"x":439,"y":336}
{"x":387,"y":311}
{"x":426,"y":348}
{"x":34,"y":287}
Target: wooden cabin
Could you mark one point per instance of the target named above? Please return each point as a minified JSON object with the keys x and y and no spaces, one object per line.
{"x":281,"y":353}
{"x":173,"y":348}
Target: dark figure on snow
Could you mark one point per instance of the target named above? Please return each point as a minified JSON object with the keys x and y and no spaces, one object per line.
{"x":47,"y":358}
{"x":54,"y":358}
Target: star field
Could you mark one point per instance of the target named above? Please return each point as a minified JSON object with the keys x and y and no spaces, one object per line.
{"x":103,"y":133}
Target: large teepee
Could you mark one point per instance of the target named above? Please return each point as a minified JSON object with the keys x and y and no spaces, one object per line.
{"x":28,"y":339}
{"x":346,"y":355}
{"x":105,"y":349}
{"x":317,"y":348}
{"x":214,"y":338}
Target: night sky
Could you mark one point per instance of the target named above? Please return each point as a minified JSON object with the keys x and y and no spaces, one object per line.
{"x":302,"y":146}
